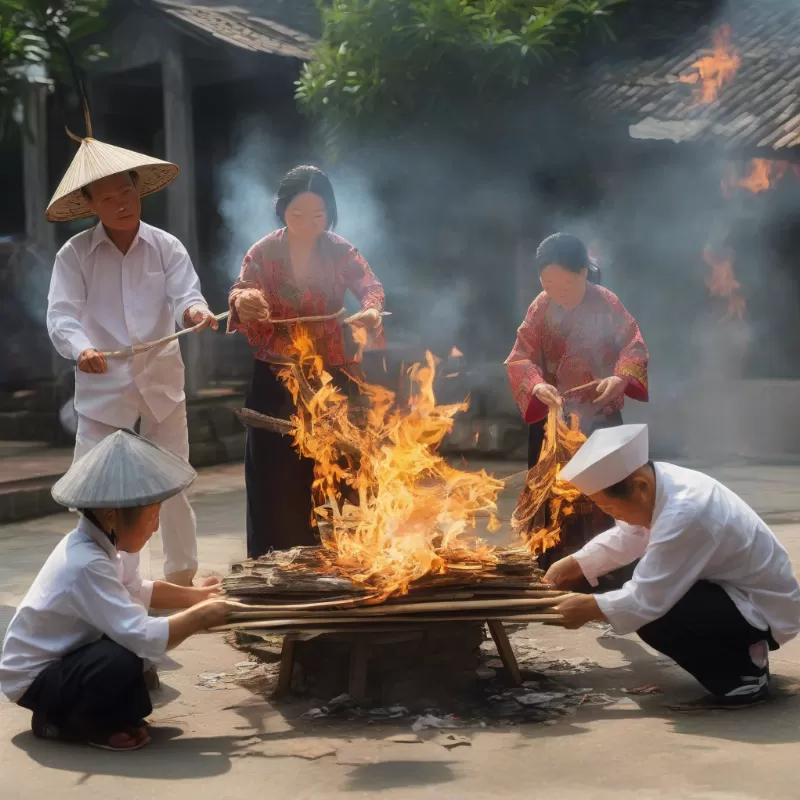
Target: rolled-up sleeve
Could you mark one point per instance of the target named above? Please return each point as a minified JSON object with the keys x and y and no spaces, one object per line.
{"x":675,"y":558}
{"x":100,"y":598}
{"x":610,"y":550}
{"x":182,"y":283}
{"x":66,"y":301}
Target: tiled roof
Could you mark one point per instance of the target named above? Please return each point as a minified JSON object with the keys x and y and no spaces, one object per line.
{"x":759,"y":108}
{"x":281,"y":27}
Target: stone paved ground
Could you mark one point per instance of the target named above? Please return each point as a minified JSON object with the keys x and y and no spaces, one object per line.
{"x":230,"y":742}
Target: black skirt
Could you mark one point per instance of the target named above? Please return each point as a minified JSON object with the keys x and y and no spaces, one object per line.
{"x":277,"y":478}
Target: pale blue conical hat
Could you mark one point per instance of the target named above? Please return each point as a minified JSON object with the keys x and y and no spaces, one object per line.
{"x":123,"y":471}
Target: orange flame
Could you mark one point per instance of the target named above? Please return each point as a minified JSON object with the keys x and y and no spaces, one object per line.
{"x":456,"y":353}
{"x":361,"y":338}
{"x":722,"y":283}
{"x":762,"y":175}
{"x":714,"y":71}
{"x":414,"y":511}
{"x":542,"y":486}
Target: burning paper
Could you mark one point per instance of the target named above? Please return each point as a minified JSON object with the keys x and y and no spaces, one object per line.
{"x":415,"y":514}
{"x":542,"y":486}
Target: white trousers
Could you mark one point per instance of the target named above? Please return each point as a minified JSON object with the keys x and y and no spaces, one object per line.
{"x":178,"y":522}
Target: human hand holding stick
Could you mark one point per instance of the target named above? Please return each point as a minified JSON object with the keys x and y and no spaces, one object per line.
{"x":137,"y":349}
{"x":252,"y":306}
{"x":606,"y":390}
{"x":255,"y":310}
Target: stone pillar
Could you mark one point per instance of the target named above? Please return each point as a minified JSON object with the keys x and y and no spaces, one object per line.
{"x":181,"y":201}
{"x":39,"y":232}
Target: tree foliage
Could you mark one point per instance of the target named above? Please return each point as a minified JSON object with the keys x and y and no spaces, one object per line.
{"x":54,"y":35}
{"x":390,"y":60}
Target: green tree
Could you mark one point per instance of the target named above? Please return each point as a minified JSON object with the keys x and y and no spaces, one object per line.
{"x":53,"y":37}
{"x":391,"y":60}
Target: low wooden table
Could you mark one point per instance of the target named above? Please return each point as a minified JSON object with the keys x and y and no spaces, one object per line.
{"x":363,"y":640}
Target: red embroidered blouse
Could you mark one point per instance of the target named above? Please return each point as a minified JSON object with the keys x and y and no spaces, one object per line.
{"x":339,"y":267}
{"x":567,"y":349}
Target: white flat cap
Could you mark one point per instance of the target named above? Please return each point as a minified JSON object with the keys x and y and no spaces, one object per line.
{"x":123,"y":471}
{"x":607,"y":457}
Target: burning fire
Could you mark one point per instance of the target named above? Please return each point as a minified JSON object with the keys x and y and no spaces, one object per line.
{"x":762,"y":175}
{"x":542,"y":486}
{"x":456,"y":353}
{"x":714,"y":71}
{"x":415,"y":513}
{"x":722,"y":283}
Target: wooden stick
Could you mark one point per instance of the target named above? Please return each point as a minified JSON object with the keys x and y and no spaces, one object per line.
{"x":350,"y":601}
{"x":331,"y":621}
{"x":254,"y":419}
{"x":300,"y":320}
{"x":505,"y":651}
{"x":288,"y":650}
{"x":319,"y":318}
{"x":410,"y":608}
{"x":137,"y":349}
{"x":583,"y":388}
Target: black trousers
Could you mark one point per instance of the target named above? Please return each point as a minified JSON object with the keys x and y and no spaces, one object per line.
{"x":98,"y":689}
{"x":706,"y":634}
{"x":278,"y":480}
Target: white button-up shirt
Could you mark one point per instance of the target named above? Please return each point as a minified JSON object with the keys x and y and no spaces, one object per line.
{"x":701,"y":530}
{"x":103,"y":299}
{"x":84,"y":591}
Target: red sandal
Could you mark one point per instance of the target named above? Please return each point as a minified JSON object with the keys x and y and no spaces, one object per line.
{"x":123,"y":741}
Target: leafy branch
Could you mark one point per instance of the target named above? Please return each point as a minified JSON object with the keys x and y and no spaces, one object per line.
{"x":389,"y":60}
{"x":53,"y":37}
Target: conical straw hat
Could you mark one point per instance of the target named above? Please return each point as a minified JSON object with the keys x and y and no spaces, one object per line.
{"x":95,"y":160}
{"x":123,"y":471}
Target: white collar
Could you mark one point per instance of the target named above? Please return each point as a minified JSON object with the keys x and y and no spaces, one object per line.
{"x":87,"y":528}
{"x":661,"y":496}
{"x":99,"y":235}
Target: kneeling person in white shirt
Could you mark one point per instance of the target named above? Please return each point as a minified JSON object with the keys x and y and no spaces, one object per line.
{"x":713,"y":588}
{"x":119,"y":284}
{"x":75,"y":651}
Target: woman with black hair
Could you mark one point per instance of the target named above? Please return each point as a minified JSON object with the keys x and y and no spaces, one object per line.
{"x":577,"y":347}
{"x":302,"y":269}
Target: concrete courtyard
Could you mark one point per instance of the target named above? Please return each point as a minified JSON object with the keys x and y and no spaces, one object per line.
{"x":223,"y":741}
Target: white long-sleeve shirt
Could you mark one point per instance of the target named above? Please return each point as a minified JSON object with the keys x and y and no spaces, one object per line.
{"x":84,"y":591}
{"x":701,"y":530}
{"x":103,"y":299}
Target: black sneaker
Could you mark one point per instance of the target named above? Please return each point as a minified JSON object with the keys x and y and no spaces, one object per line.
{"x":727,"y":703}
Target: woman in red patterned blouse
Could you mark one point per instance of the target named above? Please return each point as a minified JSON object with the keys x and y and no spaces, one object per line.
{"x":576,"y":335}
{"x":302,"y":269}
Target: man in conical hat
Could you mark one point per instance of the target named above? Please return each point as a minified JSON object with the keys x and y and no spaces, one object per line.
{"x":74,"y":654}
{"x":713,"y":588}
{"x":120,"y":283}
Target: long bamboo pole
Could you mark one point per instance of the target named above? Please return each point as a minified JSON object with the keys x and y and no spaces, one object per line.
{"x":389,"y":609}
{"x":350,"y":620}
